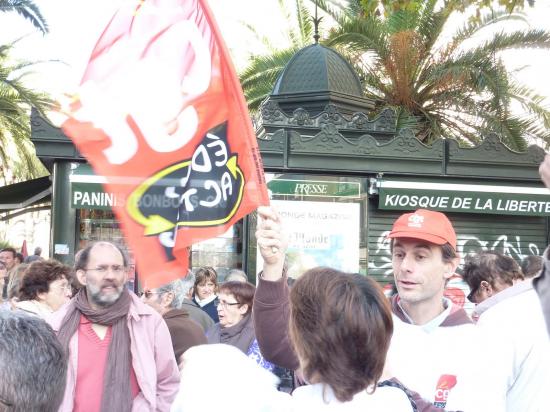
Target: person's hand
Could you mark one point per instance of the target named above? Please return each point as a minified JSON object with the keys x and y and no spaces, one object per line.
{"x":544,"y":170}
{"x":272,"y":242}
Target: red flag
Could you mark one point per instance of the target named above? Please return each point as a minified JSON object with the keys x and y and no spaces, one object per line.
{"x":161,"y":114}
{"x":24,"y":251}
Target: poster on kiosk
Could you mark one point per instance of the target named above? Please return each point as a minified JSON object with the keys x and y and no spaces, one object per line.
{"x":320,"y":234}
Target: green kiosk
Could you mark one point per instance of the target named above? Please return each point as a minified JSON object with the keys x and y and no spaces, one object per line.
{"x":339,"y":175}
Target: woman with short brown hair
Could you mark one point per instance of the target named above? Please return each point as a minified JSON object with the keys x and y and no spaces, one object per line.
{"x":341,"y":326}
{"x":205,"y":289}
{"x":44,"y":288}
{"x":236,"y":327}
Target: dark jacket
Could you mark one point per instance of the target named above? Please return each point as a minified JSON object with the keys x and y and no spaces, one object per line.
{"x":210,"y":309}
{"x":542,"y":286}
{"x":271,"y":312}
{"x":240,"y":335}
{"x":183,"y":331}
{"x":197,"y":314}
{"x":32,"y":258}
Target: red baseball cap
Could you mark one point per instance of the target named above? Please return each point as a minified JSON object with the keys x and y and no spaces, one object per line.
{"x":433,"y":227}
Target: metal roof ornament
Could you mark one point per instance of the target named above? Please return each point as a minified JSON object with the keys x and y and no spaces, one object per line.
{"x":316,"y":22}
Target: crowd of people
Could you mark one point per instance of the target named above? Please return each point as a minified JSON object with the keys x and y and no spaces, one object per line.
{"x":77,"y":339}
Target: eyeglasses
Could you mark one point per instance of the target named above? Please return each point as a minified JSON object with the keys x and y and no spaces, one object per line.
{"x":225,"y":304}
{"x":148,"y":293}
{"x":102,"y":269}
{"x":65,"y":288}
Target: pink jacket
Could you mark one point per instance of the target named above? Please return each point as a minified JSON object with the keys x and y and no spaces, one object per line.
{"x":152,"y":359}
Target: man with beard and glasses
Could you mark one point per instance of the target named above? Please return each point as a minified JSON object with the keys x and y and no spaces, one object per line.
{"x":120,"y":351}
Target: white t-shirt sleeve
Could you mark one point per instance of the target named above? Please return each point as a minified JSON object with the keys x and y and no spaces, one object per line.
{"x":393,"y":399}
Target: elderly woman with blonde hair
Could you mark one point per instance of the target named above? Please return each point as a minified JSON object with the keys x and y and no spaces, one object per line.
{"x":12,"y":285}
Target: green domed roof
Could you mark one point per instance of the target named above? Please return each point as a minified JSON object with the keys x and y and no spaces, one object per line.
{"x":318,"y":68}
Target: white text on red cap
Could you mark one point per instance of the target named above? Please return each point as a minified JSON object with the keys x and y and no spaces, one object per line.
{"x":415,"y":220}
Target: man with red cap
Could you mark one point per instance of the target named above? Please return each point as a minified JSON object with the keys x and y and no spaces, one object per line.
{"x":436,"y":350}
{"x":424,"y":257}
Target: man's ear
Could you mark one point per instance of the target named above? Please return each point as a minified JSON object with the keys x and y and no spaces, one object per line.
{"x":450,"y":267}
{"x":81,"y":276}
{"x":488,"y":288}
{"x":167,"y":299}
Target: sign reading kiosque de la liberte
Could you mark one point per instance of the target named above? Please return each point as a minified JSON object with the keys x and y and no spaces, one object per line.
{"x":502,"y":200}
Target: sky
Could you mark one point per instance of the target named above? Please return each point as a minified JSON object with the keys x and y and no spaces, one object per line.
{"x":75,"y":26}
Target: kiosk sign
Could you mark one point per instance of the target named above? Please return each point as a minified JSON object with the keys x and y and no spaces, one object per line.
{"x":530,"y":203}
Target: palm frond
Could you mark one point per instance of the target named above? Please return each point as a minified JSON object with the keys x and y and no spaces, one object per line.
{"x":440,"y":88}
{"x":16,"y":101}
{"x":304,"y":20}
{"x":485,"y":22}
{"x":365,"y":35}
{"x":28,"y":10}
{"x":259,"y":77}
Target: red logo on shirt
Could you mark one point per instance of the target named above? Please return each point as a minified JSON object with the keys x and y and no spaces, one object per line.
{"x":444,"y":386}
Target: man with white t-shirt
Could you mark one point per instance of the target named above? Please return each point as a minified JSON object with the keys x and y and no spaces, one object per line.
{"x":436,"y":350}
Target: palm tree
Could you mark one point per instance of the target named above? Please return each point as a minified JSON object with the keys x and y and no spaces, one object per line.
{"x":28,"y":10}
{"x":439,"y":88}
{"x":258,"y":78}
{"x":15,"y":103}
{"x":389,"y":6}
{"x":16,"y":150}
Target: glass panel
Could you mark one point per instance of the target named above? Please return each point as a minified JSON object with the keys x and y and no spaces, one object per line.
{"x":223,"y":253}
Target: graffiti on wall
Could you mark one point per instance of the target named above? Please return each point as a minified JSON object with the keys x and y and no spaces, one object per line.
{"x":506,"y":244}
{"x":467,"y":245}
